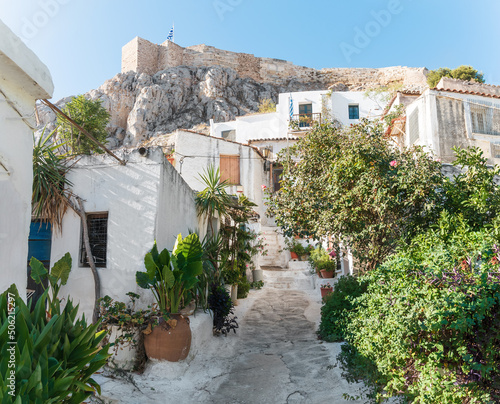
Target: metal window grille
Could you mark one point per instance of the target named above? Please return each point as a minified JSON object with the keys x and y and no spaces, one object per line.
{"x":413,"y":127}
{"x":481,"y":114}
{"x":98,"y":237}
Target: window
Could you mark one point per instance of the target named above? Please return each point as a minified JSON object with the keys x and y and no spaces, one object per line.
{"x":98,"y":235}
{"x":230,"y":169}
{"x":305,"y":115}
{"x":229,"y":134}
{"x":353,"y":111}
{"x":413,"y":127}
{"x":478,"y":117}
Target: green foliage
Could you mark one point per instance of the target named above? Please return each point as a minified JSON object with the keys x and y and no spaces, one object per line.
{"x":240,"y":244}
{"x":214,"y":198}
{"x":171,"y":275}
{"x":243,"y":287}
{"x":221,"y":305}
{"x":398,"y":111}
{"x":92,"y":117}
{"x":473,"y":193}
{"x":429,"y":320}
{"x":320,"y":259}
{"x":126,"y":317}
{"x":267,"y":105}
{"x":296,"y":247}
{"x":351,"y":182}
{"x":337,"y":307}
{"x":57,"y":277}
{"x":50,"y":185}
{"x":257,"y":285}
{"x":54,"y":356}
{"x":464,"y":72}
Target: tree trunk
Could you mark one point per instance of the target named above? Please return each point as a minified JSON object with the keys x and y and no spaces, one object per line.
{"x":80,"y":211}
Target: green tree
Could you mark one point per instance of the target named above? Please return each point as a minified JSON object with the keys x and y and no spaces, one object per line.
{"x":92,"y":117}
{"x":267,"y":105}
{"x":464,"y":72}
{"x":353,"y":183}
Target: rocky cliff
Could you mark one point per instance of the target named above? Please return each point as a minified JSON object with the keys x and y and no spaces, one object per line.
{"x":144,"y":106}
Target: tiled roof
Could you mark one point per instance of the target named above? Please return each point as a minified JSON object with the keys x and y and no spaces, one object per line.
{"x":273,"y":139}
{"x":466,"y":92}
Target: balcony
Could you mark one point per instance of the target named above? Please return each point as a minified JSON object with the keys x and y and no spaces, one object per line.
{"x":304,"y":121}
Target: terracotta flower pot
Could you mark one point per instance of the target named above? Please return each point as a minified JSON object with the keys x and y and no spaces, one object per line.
{"x":326,"y":291}
{"x":294,"y":255}
{"x":304,"y":257}
{"x":326,"y":274}
{"x":170,"y":340}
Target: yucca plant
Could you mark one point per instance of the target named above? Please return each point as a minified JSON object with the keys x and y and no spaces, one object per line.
{"x":51,"y":190}
{"x":214,"y":197}
{"x":52,"y":358}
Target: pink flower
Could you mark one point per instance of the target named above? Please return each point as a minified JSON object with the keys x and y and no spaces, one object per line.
{"x":263,"y":187}
{"x":393,"y":163}
{"x":332,"y":254}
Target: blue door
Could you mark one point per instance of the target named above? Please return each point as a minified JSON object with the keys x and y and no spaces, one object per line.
{"x":39,"y":244}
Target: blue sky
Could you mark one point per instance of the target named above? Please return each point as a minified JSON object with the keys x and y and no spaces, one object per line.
{"x":80,"y":41}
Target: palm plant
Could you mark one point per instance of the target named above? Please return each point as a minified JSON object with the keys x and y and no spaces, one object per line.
{"x":214,"y":197}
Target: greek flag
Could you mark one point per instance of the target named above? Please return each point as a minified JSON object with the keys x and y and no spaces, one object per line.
{"x":291,"y":107}
{"x":170,"y":36}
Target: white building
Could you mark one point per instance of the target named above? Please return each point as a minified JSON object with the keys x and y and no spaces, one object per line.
{"x":23,"y":79}
{"x":347,"y":107}
{"x":454,"y":114}
{"x":128,"y":208}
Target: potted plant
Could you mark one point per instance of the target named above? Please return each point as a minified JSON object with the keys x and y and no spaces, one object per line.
{"x":169,"y":276}
{"x":297,"y":250}
{"x":326,"y":289}
{"x":323,"y":263}
{"x":123,"y":324}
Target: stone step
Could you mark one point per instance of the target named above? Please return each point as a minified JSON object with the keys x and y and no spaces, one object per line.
{"x":288,"y":279}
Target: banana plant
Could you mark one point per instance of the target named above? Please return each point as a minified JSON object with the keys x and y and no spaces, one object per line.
{"x":171,"y":275}
{"x":57,"y":277}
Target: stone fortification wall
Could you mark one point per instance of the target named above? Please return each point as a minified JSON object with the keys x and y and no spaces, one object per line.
{"x":140,"y":56}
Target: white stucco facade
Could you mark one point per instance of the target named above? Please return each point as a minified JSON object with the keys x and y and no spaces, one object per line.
{"x":146,"y":200}
{"x":440,"y":119}
{"x":23,"y":79}
{"x":276,"y":125}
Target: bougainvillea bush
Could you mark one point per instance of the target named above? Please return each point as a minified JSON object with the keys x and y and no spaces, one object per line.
{"x":430,"y":319}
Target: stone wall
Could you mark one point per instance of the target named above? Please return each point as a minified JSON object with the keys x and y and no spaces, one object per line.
{"x":151,"y":58}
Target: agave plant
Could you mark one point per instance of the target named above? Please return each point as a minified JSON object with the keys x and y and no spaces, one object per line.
{"x":170,"y":276}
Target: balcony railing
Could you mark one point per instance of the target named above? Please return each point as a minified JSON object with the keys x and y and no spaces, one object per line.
{"x":304,"y":121}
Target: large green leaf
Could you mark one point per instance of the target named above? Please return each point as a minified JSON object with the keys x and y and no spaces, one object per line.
{"x":150,"y":264}
{"x":62,"y":268}
{"x":190,"y":248}
{"x":168,"y":276}
{"x":38,"y":271}
{"x":164,"y":258}
{"x":142,"y":280}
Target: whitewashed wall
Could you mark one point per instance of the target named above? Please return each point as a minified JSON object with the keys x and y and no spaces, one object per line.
{"x":196,"y":152}
{"x":23,"y":79}
{"x":145,"y":200}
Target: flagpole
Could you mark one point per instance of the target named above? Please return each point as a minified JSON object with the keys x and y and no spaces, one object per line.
{"x":173,"y":36}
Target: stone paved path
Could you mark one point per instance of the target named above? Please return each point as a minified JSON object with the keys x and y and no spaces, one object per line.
{"x":275,"y":358}
{"x":279,"y":359}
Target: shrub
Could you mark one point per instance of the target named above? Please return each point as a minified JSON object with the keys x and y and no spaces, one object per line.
{"x":243,"y":287}
{"x":466,"y":73}
{"x":320,"y":259}
{"x":55,"y":356}
{"x":430,"y":321}
{"x":221,"y":305}
{"x":338,"y":306}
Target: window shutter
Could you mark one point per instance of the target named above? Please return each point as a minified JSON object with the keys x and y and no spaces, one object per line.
{"x":230,"y":169}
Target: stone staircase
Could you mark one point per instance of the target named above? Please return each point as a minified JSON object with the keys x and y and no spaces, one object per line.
{"x":275,"y":245}
{"x":296,"y":276}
